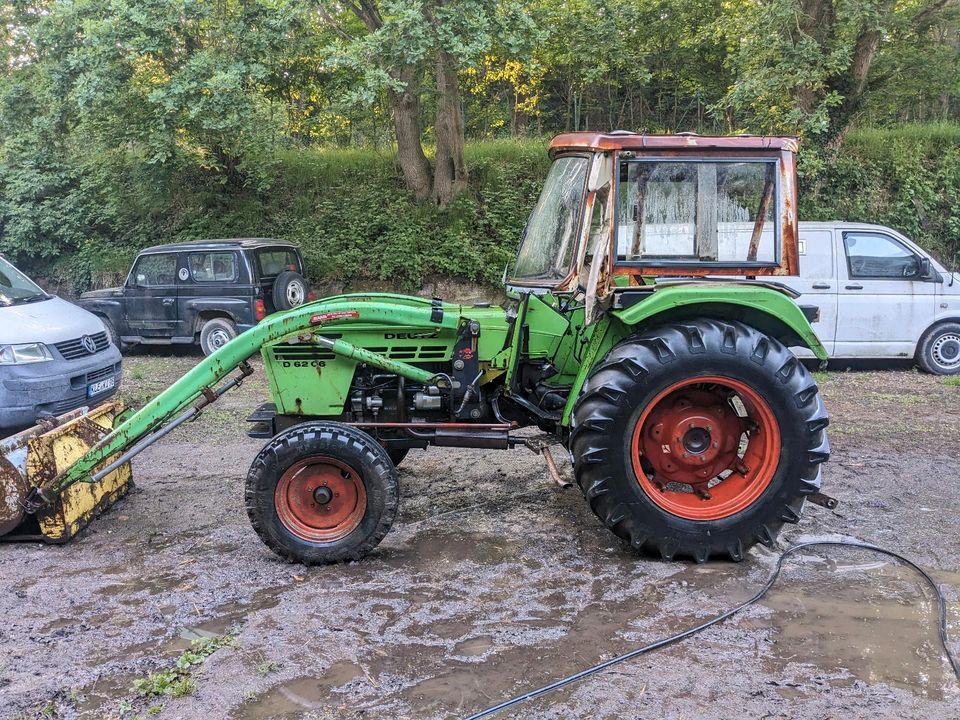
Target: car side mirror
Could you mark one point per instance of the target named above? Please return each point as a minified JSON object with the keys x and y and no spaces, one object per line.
{"x":925,"y":271}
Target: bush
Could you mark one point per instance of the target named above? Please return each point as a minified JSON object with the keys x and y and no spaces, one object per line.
{"x":906,"y":177}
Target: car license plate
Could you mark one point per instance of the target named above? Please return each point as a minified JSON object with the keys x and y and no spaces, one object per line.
{"x":100,"y":387}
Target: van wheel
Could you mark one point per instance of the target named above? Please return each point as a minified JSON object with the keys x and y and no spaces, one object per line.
{"x":216,"y":333}
{"x":939,"y":350}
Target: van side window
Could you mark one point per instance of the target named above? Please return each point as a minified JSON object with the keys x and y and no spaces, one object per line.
{"x":213,"y":266}
{"x":877,"y":256}
{"x":156,"y":269}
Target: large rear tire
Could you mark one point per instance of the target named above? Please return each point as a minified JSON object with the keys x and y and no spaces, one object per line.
{"x":699,"y":439}
{"x":322,"y":492}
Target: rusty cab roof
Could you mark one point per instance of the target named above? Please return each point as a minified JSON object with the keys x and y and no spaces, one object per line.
{"x":622,"y":140}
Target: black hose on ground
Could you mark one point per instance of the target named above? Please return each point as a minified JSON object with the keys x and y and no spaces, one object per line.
{"x":599,"y":667}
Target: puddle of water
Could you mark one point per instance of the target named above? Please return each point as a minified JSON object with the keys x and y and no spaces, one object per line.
{"x":475,"y":647}
{"x":291,"y":698}
{"x":427,"y":549}
{"x":101,"y":699}
{"x":870,"y":619}
{"x":150,"y":584}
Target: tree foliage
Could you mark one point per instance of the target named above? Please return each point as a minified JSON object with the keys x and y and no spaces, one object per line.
{"x":109,"y":108}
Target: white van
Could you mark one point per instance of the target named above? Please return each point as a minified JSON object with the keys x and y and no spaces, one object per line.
{"x":54,"y":356}
{"x":879,"y":295}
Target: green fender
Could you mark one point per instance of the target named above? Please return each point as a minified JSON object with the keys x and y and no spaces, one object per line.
{"x":765,"y":308}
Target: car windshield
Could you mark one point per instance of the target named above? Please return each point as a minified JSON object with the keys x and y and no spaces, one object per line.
{"x":15,"y":287}
{"x":550,"y":237}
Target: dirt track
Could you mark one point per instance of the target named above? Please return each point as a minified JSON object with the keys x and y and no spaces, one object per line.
{"x":493,"y":581}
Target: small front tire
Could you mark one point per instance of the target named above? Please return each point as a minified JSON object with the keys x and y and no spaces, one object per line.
{"x":938,"y":351}
{"x":322,"y":492}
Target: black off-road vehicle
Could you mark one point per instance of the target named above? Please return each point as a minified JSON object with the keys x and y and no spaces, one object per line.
{"x":206,"y":291}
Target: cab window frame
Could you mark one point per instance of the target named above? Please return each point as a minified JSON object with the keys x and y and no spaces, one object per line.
{"x":578,"y":232}
{"x":686,"y":261}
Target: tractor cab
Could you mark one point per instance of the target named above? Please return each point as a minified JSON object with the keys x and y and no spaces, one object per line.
{"x":618,"y":210}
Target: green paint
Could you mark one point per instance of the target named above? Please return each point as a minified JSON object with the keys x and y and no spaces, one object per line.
{"x":755,"y":304}
{"x":359,"y":354}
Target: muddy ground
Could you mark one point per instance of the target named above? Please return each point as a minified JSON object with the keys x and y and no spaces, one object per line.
{"x":492,"y":582}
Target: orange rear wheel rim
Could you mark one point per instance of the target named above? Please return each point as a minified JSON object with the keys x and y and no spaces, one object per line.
{"x":706,"y":447}
{"x":320,"y":499}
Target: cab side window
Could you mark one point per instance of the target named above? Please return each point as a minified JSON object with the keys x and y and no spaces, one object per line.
{"x":879,"y":257}
{"x":155,"y":270}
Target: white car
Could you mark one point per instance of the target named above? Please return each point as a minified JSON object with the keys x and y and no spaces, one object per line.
{"x":879,"y":295}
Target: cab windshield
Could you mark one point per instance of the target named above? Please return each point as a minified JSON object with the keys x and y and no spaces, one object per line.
{"x":548,"y":242}
{"x":15,"y":287}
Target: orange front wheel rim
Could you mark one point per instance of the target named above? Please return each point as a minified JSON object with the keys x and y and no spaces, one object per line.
{"x":706,"y":447}
{"x":320,"y":499}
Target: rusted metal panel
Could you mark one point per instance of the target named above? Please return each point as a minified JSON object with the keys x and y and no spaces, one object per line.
{"x":39,"y":454}
{"x":627,"y":145}
{"x":604,"y":142}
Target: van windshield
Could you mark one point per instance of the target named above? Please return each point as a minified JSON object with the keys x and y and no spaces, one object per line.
{"x":15,"y":287}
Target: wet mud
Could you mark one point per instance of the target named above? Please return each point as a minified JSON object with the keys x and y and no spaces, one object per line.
{"x":494,"y":581}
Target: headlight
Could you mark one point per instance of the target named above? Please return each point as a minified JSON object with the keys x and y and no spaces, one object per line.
{"x":24,"y":353}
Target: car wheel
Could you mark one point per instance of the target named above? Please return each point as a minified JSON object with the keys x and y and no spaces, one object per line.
{"x":289,"y":290}
{"x":113,"y":334}
{"x":216,"y":333}
{"x":939,"y":350}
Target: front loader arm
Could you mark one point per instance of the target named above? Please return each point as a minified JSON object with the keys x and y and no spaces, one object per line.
{"x":198,"y":384}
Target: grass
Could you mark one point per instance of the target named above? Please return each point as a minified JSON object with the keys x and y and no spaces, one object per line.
{"x":952,"y":381}
{"x":265,"y":667}
{"x":877,"y":140}
{"x":179,"y":680}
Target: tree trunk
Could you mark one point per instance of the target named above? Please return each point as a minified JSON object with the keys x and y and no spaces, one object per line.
{"x":450,"y":169}
{"x":405,"y":105}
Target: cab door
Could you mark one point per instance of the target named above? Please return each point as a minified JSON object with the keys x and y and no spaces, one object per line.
{"x":151,"y":295}
{"x":883,"y":302}
{"x":817,"y":283}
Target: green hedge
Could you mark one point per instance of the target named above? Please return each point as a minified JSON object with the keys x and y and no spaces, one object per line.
{"x":355,"y":222}
{"x":907,"y":178}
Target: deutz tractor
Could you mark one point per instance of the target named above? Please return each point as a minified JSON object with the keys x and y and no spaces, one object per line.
{"x":644,"y":331}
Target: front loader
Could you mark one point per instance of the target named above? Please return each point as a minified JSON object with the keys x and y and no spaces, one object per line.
{"x":645,"y":331}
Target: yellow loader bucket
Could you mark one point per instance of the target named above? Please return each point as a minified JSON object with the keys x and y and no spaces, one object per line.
{"x":41,"y":453}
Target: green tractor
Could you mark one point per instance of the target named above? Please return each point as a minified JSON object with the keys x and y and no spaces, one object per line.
{"x":645,"y":331}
